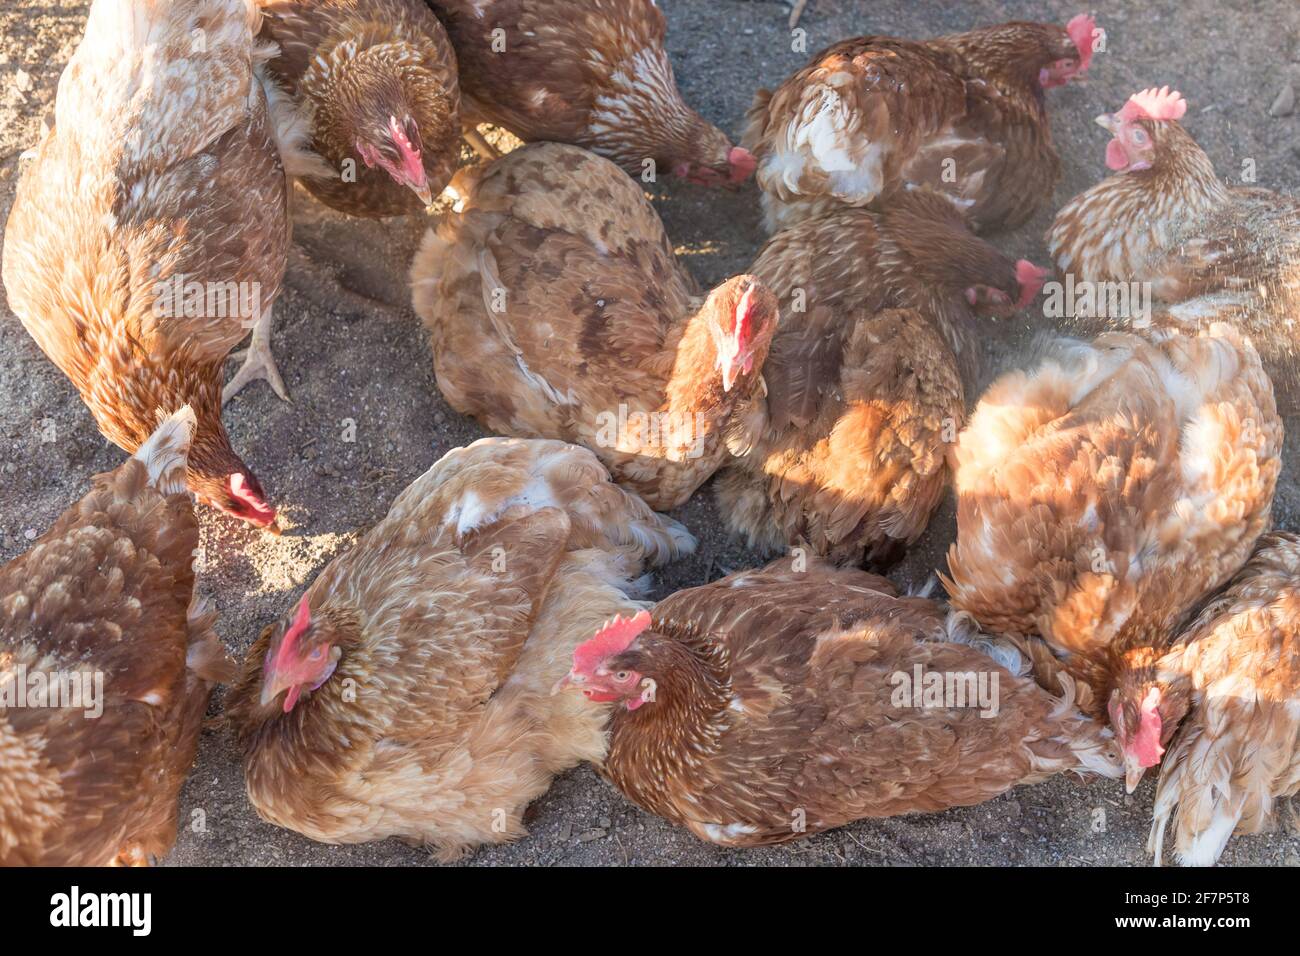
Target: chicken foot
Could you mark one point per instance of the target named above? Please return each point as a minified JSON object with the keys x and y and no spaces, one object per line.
{"x":258,"y":362}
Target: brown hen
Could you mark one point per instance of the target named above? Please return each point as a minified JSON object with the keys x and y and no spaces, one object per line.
{"x":150,"y":232}
{"x":1237,"y":754}
{"x":593,"y":73}
{"x":781,"y":702}
{"x":1105,"y":493}
{"x":964,"y":114}
{"x":558,"y":310}
{"x":380,"y":76}
{"x":408,"y":692}
{"x":103,"y":608}
{"x":865,"y":377}
{"x":1165,"y":218}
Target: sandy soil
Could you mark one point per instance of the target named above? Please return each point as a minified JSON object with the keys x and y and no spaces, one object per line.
{"x":1229,"y":57}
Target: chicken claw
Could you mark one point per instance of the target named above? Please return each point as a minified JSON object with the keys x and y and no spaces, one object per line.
{"x":258,"y":363}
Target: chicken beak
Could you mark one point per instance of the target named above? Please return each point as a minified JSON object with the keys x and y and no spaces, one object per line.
{"x":271,"y":689}
{"x":1107,"y":122}
{"x":562,"y":684}
{"x":273,"y":528}
{"x":425,"y":194}
{"x":1133,"y":772}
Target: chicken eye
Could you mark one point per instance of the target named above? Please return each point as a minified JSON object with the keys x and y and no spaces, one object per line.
{"x":1139,"y":136}
{"x":316,"y":654}
{"x":622,"y":676}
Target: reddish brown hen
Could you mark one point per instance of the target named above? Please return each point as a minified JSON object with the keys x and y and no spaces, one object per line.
{"x":964,"y":114}
{"x":780,"y":702}
{"x":558,"y":310}
{"x":150,"y":232}
{"x":865,"y":376}
{"x":380,"y":76}
{"x":1102,"y":495}
{"x":588,"y":72}
{"x":408,"y":693}
{"x":1165,"y":218}
{"x":103,"y":608}
{"x":1236,"y":759}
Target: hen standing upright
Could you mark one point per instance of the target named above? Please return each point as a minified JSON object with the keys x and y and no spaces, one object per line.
{"x":964,"y":114}
{"x":409,"y":694}
{"x":865,"y":376}
{"x":1237,"y":753}
{"x":151,"y":229}
{"x":771,"y":704}
{"x":558,"y":310}
{"x":103,"y":607}
{"x":380,"y":76}
{"x":1101,"y":496}
{"x":1165,"y":217}
{"x":593,"y":73}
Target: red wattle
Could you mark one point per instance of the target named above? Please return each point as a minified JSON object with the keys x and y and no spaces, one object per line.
{"x":1116,"y":158}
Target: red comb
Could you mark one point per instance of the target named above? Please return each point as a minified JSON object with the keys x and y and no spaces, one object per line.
{"x":1146,"y":742}
{"x":412,"y":165}
{"x":1161,"y":104}
{"x":744,"y":316}
{"x":613,"y":638}
{"x":1081,"y":30}
{"x":288,"y":646}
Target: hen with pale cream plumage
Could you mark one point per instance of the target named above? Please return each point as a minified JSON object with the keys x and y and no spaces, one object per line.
{"x":1102,"y":495}
{"x":408,"y":692}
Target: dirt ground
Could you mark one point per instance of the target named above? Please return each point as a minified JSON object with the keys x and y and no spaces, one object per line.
{"x":1230,"y":58}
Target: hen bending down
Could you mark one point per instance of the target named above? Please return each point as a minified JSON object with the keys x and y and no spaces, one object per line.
{"x":1102,"y":495}
{"x":150,"y":232}
{"x":865,"y":376}
{"x":408,"y":693}
{"x":963,"y":114}
{"x":780,"y":702}
{"x":558,"y":310}
{"x":1237,"y":753}
{"x":1165,"y":218}
{"x":380,"y":76}
{"x":102,"y":610}
{"x":592,"y":73}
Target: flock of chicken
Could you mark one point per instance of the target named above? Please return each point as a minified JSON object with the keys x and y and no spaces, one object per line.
{"x":1113,"y":578}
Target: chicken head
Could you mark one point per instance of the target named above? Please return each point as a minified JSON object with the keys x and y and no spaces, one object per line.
{"x":1135,"y":129}
{"x":742,"y":324}
{"x":303,"y":657}
{"x":598,"y":671}
{"x":1074,"y":64}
